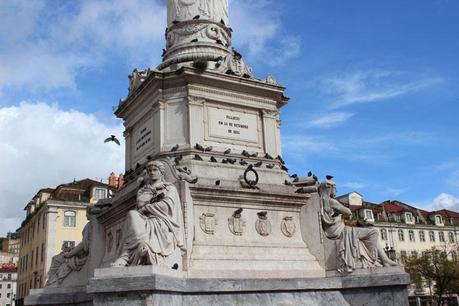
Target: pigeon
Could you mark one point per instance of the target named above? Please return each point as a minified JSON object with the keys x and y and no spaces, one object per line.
{"x":294,"y":175}
{"x":230,"y":29}
{"x":238,"y":212}
{"x":222,"y":22}
{"x":175,"y":22}
{"x":213,"y":159}
{"x":287,"y":183}
{"x":175,"y":267}
{"x":218,"y":41}
{"x":217,"y":183}
{"x":243,"y":162}
{"x":284,"y":168}
{"x":309,"y":173}
{"x":196,"y":17}
{"x":245,"y":153}
{"x":230,"y":72}
{"x":258,"y":164}
{"x":197,"y":157}
{"x":299,"y":190}
{"x":280,"y":159}
{"x":194,"y":40}
{"x":329,"y":177}
{"x":149,"y":157}
{"x":175,"y":148}
{"x":178,"y":159}
{"x":112,"y":138}
{"x":164,"y":52}
{"x":231,"y":160}
{"x":270,"y":166}
{"x":208,"y":149}
{"x":228,"y":151}
{"x":315,"y":178}
{"x":199,"y":147}
{"x":262,"y":213}
{"x":268,"y":156}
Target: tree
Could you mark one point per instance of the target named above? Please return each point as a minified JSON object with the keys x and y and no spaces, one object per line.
{"x":437,"y":267}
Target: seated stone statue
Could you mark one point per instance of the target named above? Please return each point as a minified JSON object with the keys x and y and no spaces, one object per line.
{"x":69,"y":260}
{"x":357,"y":247}
{"x":154,"y":230}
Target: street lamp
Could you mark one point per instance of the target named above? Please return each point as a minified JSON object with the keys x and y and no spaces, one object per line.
{"x":390,"y":252}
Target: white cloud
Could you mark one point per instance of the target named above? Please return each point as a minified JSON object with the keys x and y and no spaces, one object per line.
{"x":43,"y":146}
{"x":353,"y":185}
{"x":445,"y":201}
{"x":48,"y":47}
{"x":330,"y":120}
{"x":257,"y":26}
{"x":371,"y":86}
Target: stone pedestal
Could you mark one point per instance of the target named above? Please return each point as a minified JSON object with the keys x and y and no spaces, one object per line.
{"x":153,"y":286}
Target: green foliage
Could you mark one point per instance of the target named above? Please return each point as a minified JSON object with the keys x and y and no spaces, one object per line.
{"x":200,"y":64}
{"x":437,"y":267}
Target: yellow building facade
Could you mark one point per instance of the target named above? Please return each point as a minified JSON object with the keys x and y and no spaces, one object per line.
{"x":55,"y":221}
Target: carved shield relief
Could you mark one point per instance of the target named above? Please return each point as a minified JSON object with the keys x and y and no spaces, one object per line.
{"x":288,"y":226}
{"x":236,"y":225}
{"x":263,"y":226}
{"x":207,"y":222}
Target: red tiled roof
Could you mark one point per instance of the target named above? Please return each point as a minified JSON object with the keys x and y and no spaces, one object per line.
{"x":446,"y":213}
{"x":392,"y":208}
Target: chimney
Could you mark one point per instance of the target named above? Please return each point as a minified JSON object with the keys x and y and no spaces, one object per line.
{"x":112,"y":180}
{"x":120,"y":181}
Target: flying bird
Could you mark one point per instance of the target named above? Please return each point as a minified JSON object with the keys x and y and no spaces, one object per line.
{"x":175,"y":148}
{"x":112,"y":138}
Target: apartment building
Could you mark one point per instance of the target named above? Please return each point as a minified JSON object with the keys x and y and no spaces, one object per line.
{"x":8,"y":277}
{"x":55,"y":218}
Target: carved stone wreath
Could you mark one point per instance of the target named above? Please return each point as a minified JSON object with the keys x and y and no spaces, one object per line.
{"x":249,"y":182}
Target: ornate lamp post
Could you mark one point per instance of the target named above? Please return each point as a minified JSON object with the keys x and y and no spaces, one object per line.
{"x":390,"y":252}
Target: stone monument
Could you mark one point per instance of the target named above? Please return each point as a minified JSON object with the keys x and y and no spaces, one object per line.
{"x":208,"y":214}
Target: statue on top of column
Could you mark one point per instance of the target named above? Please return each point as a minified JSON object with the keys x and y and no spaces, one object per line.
{"x":183,"y":10}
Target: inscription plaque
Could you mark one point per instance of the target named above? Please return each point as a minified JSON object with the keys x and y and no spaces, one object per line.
{"x":233,"y":125}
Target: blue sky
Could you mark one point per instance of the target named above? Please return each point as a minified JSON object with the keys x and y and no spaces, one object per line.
{"x":373,"y":86}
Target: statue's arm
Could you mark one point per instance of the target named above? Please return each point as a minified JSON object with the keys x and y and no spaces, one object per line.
{"x":337,"y":206}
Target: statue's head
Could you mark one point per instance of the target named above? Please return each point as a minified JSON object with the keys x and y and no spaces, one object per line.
{"x":328,"y":187}
{"x":155,"y":170}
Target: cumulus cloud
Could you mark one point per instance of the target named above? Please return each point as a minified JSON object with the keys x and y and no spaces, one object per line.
{"x":54,"y":41}
{"x":44,"y":146}
{"x":445,"y":201}
{"x":371,"y":86}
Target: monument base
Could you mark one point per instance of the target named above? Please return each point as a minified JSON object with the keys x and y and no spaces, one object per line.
{"x":155,"y":287}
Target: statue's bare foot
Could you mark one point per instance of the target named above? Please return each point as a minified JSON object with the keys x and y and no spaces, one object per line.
{"x":120,"y":262}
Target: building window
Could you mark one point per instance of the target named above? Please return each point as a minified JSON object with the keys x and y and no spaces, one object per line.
{"x":441,"y":236}
{"x":414,"y":254}
{"x":42,"y":252}
{"x":8,"y":286}
{"x":422,"y":236}
{"x":403,"y":256}
{"x":383,"y":234}
{"x":69,"y":218}
{"x":432,"y":236}
{"x":408,"y":217}
{"x":451,"y":237}
{"x":411,"y":235}
{"x":438,"y":220}
{"x":401,"y":235}
{"x":68,"y":245}
{"x":397,"y":218}
{"x":369,"y":215}
{"x":100,"y":193}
